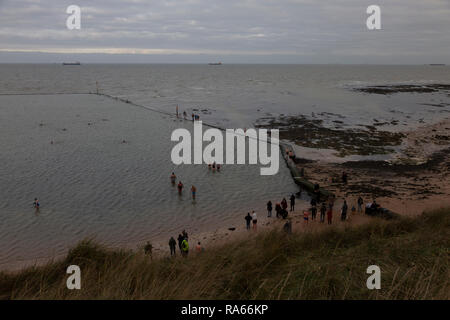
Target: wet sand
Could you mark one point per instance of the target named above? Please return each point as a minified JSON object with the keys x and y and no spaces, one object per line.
{"x":417,"y":180}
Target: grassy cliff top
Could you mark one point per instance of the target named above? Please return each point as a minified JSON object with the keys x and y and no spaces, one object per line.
{"x":413,"y":254}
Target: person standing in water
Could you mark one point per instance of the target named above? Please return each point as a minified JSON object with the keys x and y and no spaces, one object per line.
{"x":292,"y":202}
{"x":193,"y":190}
{"x":248,"y":220}
{"x":172,"y":246}
{"x":36,"y":204}
{"x":254,"y":219}
{"x":173,"y":178}
{"x":269,"y":209}
{"x":180,"y":187}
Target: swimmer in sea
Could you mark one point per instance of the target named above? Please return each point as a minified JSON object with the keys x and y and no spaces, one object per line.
{"x":36,"y":204}
{"x":173,"y":177}
{"x":193,"y":190}
{"x":180,"y":187}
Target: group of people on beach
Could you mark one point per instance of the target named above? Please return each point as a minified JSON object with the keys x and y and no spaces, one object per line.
{"x":280,"y":209}
{"x":183,"y":245}
{"x":326,"y":209}
{"x":323,"y":209}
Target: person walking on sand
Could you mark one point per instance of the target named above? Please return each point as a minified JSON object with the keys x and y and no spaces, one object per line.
{"x":288,"y":227}
{"x":193,"y":117}
{"x":198,"y":247}
{"x":248,"y":220}
{"x":177,"y":111}
{"x":185,"y":248}
{"x":344,"y":211}
{"x":360,"y":203}
{"x":278,"y":209}
{"x":193,"y":190}
{"x":269,"y":209}
{"x":173,"y":178}
{"x":180,"y":187}
{"x":313,"y":213}
{"x":284,"y":204}
{"x":148,"y":248}
{"x":292,"y":202}
{"x":254,"y":220}
{"x":306,"y":216}
{"x":323,"y":210}
{"x":184,"y":115}
{"x":180,"y":240}
{"x":344,"y":177}
{"x":172,"y":246}
{"x":330,"y":213}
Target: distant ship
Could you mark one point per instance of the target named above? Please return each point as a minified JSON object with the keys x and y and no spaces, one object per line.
{"x":215,"y":64}
{"x":437,"y":64}
{"x":71,"y":63}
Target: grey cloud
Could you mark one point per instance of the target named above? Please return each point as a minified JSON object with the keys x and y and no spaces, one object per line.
{"x":291,"y":31}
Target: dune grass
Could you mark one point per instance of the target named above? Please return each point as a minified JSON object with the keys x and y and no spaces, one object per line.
{"x":411,"y":252}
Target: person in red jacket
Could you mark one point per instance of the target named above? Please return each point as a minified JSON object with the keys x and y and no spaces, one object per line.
{"x":330,"y":213}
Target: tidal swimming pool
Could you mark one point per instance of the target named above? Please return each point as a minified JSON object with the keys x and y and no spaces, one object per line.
{"x":100,"y":169}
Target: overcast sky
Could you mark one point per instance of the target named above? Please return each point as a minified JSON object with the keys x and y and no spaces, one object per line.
{"x":231,"y":31}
